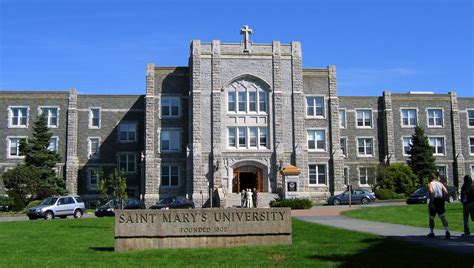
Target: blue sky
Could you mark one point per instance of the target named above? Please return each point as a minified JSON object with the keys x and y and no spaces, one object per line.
{"x":103,"y":46}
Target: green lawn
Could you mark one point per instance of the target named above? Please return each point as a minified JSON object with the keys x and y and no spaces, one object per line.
{"x":413,"y":215}
{"x":89,"y":242}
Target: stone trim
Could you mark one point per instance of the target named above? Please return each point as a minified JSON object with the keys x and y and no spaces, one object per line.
{"x":72,"y":161}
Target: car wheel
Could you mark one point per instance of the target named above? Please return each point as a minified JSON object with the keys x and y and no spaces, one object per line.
{"x":336,"y":201}
{"x":32,"y":218}
{"x":451,"y":199}
{"x":48,"y":215}
{"x":365,"y":201}
{"x":77,"y":213}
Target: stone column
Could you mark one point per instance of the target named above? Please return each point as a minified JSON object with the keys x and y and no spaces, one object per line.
{"x":337,"y":158}
{"x":217,"y":119}
{"x":276,"y":131}
{"x":72,"y":162}
{"x":459,"y":164}
{"x":388,"y":128}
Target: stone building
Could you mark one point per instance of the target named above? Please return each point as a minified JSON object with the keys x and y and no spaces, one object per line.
{"x":232,"y":119}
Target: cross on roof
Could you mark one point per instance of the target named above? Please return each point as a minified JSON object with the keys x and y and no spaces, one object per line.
{"x":246,"y":32}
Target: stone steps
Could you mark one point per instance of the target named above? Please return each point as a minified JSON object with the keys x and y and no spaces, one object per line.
{"x":264,"y":199}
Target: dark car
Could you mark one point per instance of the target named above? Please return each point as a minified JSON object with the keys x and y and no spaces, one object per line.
{"x":173,"y":202}
{"x":109,"y":207}
{"x":358,"y":196}
{"x":420,"y":196}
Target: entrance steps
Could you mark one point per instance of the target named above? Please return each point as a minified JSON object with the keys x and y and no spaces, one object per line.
{"x":264,"y":199}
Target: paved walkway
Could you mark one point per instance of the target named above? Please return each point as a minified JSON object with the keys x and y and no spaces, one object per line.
{"x":329,"y":216}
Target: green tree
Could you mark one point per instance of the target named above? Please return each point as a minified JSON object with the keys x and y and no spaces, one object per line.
{"x":21,"y":184}
{"x":422,"y":161}
{"x":398,"y":178}
{"x":114,"y":185}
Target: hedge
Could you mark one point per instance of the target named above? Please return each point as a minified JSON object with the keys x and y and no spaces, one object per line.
{"x":296,"y":203}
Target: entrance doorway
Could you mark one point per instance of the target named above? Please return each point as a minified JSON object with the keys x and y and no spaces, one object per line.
{"x":247,"y":177}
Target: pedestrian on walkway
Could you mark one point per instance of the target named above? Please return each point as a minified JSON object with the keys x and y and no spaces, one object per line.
{"x":467,"y":199}
{"x":437,"y":194}
{"x":243,"y":198}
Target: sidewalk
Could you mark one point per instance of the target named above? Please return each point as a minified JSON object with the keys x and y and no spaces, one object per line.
{"x":330,"y":216}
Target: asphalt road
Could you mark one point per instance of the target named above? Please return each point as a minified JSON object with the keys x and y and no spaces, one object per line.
{"x":25,"y":218}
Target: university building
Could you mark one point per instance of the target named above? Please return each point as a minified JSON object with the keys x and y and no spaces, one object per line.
{"x":236,"y":117}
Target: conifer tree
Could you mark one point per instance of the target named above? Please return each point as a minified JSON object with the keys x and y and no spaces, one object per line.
{"x":422,"y":161}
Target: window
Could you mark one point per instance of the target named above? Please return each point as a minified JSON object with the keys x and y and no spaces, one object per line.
{"x":252,"y":101}
{"x":263,"y":137}
{"x":242,"y":101}
{"x":437,"y":143}
{"x":315,"y":106}
{"x":471,"y":145}
{"x":170,"y":140}
{"x":232,"y":137}
{"x":470,"y":118}
{"x":18,"y":117}
{"x":53,"y":144}
{"x":409,"y":117}
{"x":170,"y":106}
{"x":342,"y":118}
{"x":51,"y":115}
{"x":247,"y":137}
{"x":317,"y":174}
{"x":94,"y":118}
{"x":248,"y":101}
{"x":435,"y":117}
{"x":262,"y":100}
{"x":365,"y":146}
{"x":127,"y":132}
{"x":364,"y":118}
{"x":344,"y":146}
{"x":346,"y":175}
{"x":169,"y":176}
{"x":127,"y":162}
{"x":442,"y":173}
{"x":231,"y":101}
{"x":94,"y":148}
{"x":92,"y":178}
{"x":14,"y":146}
{"x":316,"y":140}
{"x":366,"y":176}
{"x":253,"y":136}
{"x":406,"y":145}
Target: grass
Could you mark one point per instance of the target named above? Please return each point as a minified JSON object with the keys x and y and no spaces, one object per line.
{"x":412,"y":215}
{"x":89,"y":242}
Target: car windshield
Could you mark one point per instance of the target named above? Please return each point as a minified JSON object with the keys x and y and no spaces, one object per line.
{"x":49,"y":201}
{"x":421,"y":190}
{"x":111,"y":203}
{"x":167,"y":200}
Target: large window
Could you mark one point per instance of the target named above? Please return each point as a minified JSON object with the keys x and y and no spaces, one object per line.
{"x":366,"y":175}
{"x":94,"y":118}
{"x":470,"y":118}
{"x":170,"y":106}
{"x":316,"y":140}
{"x":315,"y":106}
{"x":247,"y":101}
{"x":18,"y":117}
{"x":247,"y":137}
{"x":317,"y":174}
{"x":409,"y":117}
{"x":342,"y":118}
{"x":437,"y":144}
{"x":364,"y":118}
{"x":53,"y":144}
{"x":365,"y":146}
{"x":170,"y":140}
{"x":14,"y":146}
{"x":127,"y":162}
{"x":169,"y":176}
{"x":92,"y":178}
{"x":51,"y":115}
{"x":127,"y":132}
{"x":471,"y":145}
{"x":406,"y":145}
{"x":344,"y":146}
{"x":435,"y":117}
{"x":94,"y":147}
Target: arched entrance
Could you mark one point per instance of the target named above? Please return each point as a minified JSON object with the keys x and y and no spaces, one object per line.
{"x":248,"y":177}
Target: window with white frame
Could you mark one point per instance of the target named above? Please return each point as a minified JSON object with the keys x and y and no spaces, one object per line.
{"x":14,"y":146}
{"x":442,"y":173}
{"x":127,"y":162}
{"x":169,"y":175}
{"x":366,"y":176}
{"x":346,"y":175}
{"x":437,"y":144}
{"x":342,"y":118}
{"x":170,"y":106}
{"x":18,"y":117}
{"x":344,"y":146}
{"x":406,"y":145}
{"x":94,"y":147}
{"x":364,"y":118}
{"x":317,"y":174}
{"x":316,"y":140}
{"x":53,"y":144}
{"x":170,"y":140}
{"x":93,"y":176}
{"x":471,"y":145}
{"x":94,"y":118}
{"x":470,"y":118}
{"x":435,"y":117}
{"x":247,"y":137}
{"x":247,"y":101}
{"x":127,"y":132}
{"x":365,"y":146}
{"x":409,"y":118}
{"x":51,"y":115}
{"x":315,"y":106}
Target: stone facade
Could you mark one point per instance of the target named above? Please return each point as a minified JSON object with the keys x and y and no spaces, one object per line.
{"x":232,"y":119}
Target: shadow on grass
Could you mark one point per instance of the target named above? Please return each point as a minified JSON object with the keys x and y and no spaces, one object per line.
{"x":102,"y":249}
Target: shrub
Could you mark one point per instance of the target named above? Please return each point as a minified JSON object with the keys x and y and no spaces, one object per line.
{"x":296,"y":203}
{"x":6,"y":203}
{"x":386,"y":194}
{"x":397,"y":177}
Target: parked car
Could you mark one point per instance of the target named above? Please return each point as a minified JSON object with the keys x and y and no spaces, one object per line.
{"x":420,"y":196}
{"x":173,"y":202}
{"x":358,"y":196}
{"x":109,"y":207}
{"x":58,"y":206}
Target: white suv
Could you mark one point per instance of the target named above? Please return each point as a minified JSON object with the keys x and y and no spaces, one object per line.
{"x":58,"y":206}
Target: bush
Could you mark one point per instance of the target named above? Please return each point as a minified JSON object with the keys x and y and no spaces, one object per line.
{"x":296,"y":203}
{"x":386,"y":194}
{"x":397,"y":177}
{"x":6,"y":203}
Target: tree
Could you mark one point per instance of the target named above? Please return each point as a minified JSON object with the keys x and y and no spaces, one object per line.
{"x":421,"y":160}
{"x":114,"y":185}
{"x":21,"y":184}
{"x":398,"y":178}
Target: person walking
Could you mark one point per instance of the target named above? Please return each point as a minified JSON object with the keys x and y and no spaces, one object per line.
{"x":467,"y":199}
{"x":255,"y":198}
{"x":249,"y":198}
{"x":243,"y":198}
{"x":437,"y":193}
